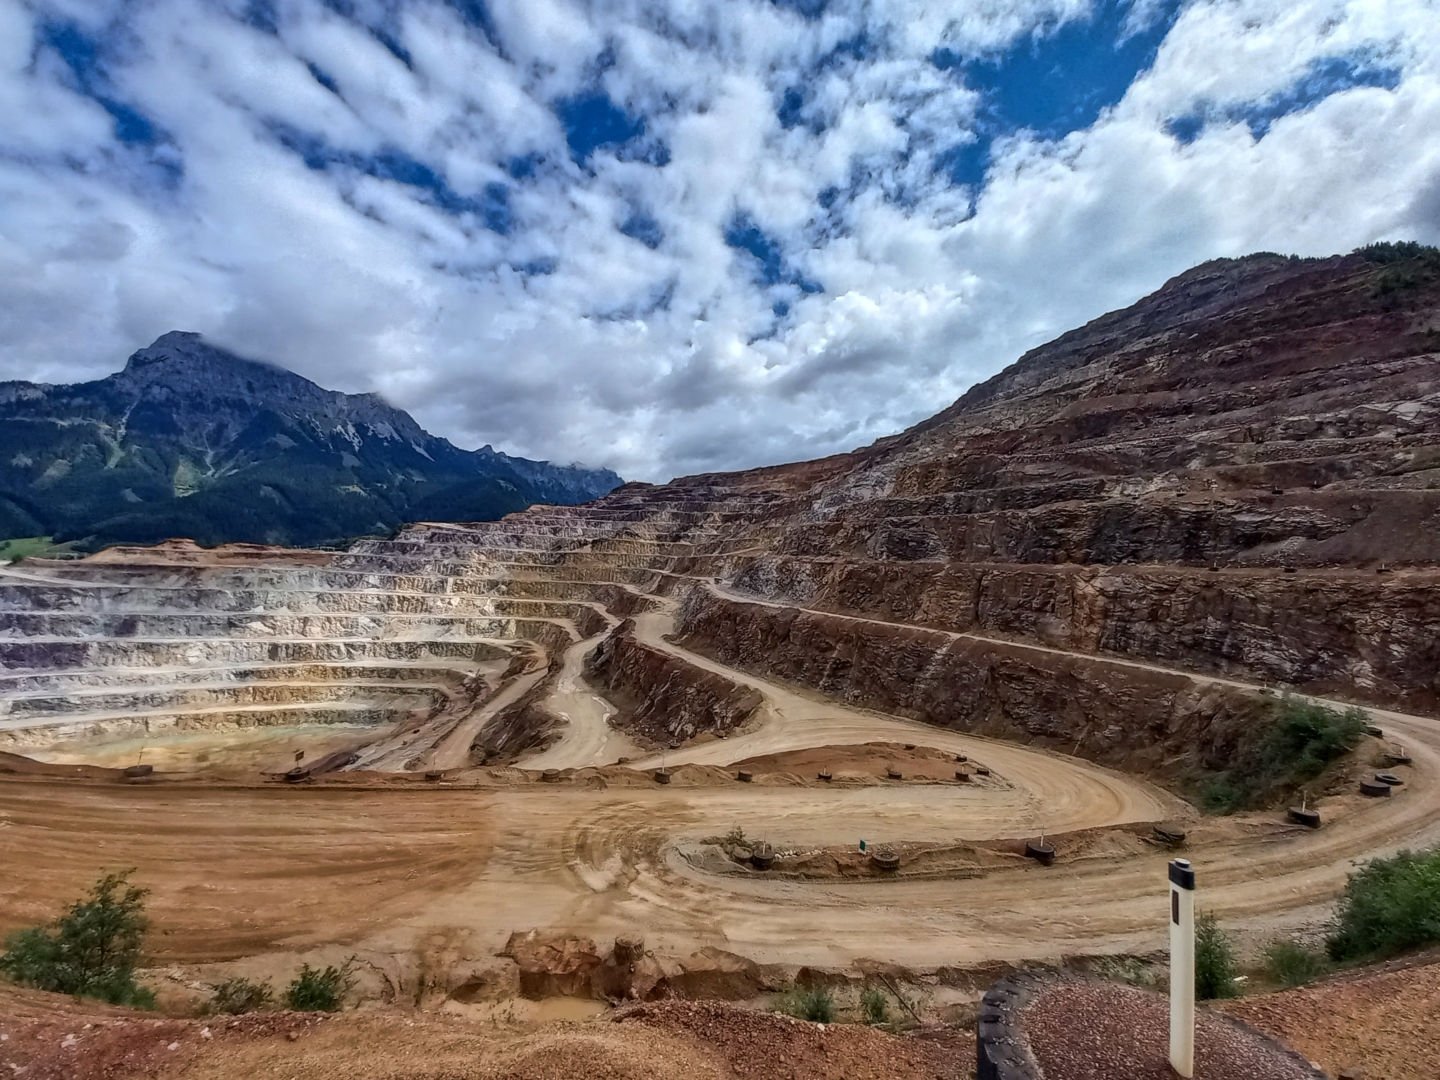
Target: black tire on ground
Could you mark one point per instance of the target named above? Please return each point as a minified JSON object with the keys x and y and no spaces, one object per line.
{"x":550,"y":776}
{"x":297,"y":775}
{"x":744,"y":776}
{"x":982,"y":770}
{"x":1374,"y":731}
{"x":138,"y":772}
{"x":909,"y":746}
{"x":961,"y":758}
{"x":1169,"y":835}
{"x":1309,"y":818}
{"x":1389,"y":778}
{"x":893,"y":773}
{"x":434,"y":774}
{"x":1375,"y":789}
{"x":762,"y":855}
{"x":962,"y":776}
{"x":662,"y":776}
{"x":886,"y":859}
{"x":824,"y":774}
{"x":1396,"y":757}
{"x":1042,"y":853}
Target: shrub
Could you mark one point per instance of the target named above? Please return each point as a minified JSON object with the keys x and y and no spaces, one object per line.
{"x":875,"y":1005}
{"x":808,"y":1003}
{"x":1389,"y":905}
{"x":1215,"y":967}
{"x":91,"y":951}
{"x":1294,"y":747}
{"x":320,"y":990}
{"x":1291,"y":964}
{"x":239,"y":995}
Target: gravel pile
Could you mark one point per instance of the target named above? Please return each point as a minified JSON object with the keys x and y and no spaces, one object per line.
{"x":1384,"y":1023}
{"x":773,"y":1047}
{"x":1084,"y":1030}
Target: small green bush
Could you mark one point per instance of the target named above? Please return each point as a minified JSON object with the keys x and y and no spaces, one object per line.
{"x":240,"y":995}
{"x":1389,"y":906}
{"x":1298,"y":743}
{"x":320,"y":990}
{"x":1215,"y":967}
{"x":875,"y":1005}
{"x":808,"y":1003}
{"x":1291,"y":964}
{"x":91,"y":951}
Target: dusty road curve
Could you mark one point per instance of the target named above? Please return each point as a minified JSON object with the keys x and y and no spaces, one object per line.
{"x":246,"y":869}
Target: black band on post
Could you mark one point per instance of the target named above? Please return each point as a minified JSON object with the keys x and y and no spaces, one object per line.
{"x":1182,"y":874}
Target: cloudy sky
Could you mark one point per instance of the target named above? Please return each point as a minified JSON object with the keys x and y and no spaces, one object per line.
{"x":676,"y":235}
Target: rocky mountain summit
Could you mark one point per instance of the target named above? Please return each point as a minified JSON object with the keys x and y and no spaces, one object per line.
{"x":192,"y":440}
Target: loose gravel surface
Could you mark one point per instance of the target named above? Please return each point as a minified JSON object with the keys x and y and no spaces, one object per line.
{"x":755,"y":1044}
{"x":1384,"y":1023}
{"x":49,"y":1037}
{"x":1083,"y":1030}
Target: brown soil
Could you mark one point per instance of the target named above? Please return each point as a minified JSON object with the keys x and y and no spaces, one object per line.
{"x":1383,"y":1022}
{"x":53,"y":1038}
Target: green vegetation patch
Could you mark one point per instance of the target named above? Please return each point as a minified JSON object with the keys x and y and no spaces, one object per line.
{"x":1216,"y":970}
{"x":90,"y":951}
{"x":1406,"y":267}
{"x":807,"y":1003}
{"x":1389,"y":906}
{"x":1276,"y":757}
{"x":30,"y":547}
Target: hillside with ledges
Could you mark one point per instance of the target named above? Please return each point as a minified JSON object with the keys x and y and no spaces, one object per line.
{"x":1060,"y":612}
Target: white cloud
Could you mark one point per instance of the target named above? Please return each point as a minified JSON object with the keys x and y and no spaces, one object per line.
{"x":557,"y":334}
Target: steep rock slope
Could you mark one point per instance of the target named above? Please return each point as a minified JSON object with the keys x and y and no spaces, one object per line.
{"x":191,"y":440}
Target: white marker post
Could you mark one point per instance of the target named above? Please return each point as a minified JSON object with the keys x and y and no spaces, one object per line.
{"x":1182,"y":968}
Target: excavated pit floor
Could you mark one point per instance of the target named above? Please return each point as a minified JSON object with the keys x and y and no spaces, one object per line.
{"x":379,"y":861}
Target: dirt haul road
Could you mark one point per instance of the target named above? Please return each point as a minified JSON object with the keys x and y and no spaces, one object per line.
{"x":239,"y":870}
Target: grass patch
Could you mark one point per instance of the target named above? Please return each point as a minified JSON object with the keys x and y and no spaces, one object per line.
{"x":1288,"y":963}
{"x":1389,"y":906}
{"x":1130,"y":970}
{"x":1300,"y":741}
{"x":30,"y":547}
{"x":814,"y":1003}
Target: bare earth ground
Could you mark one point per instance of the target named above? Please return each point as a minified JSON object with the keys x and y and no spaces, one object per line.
{"x":46,"y":1037}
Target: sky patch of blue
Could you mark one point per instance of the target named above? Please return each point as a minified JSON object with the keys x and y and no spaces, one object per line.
{"x":642,"y":226}
{"x":1324,"y":77}
{"x":1053,"y":82}
{"x":593,"y":121}
{"x":491,"y":205}
{"x":319,"y":75}
{"x":84,"y":57}
{"x":770,"y":265}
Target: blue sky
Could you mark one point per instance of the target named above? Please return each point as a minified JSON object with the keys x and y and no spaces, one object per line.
{"x":676,"y":235}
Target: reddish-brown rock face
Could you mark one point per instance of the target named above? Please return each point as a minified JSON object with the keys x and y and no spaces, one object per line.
{"x":1240,"y":475}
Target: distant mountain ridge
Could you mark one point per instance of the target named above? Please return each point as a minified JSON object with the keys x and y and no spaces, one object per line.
{"x":192,"y":440}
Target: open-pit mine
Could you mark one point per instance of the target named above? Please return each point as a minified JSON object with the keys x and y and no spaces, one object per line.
{"x":1038,"y":623}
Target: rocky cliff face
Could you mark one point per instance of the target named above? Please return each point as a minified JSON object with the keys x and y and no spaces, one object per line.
{"x":1121,"y":547}
{"x":191,"y":440}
